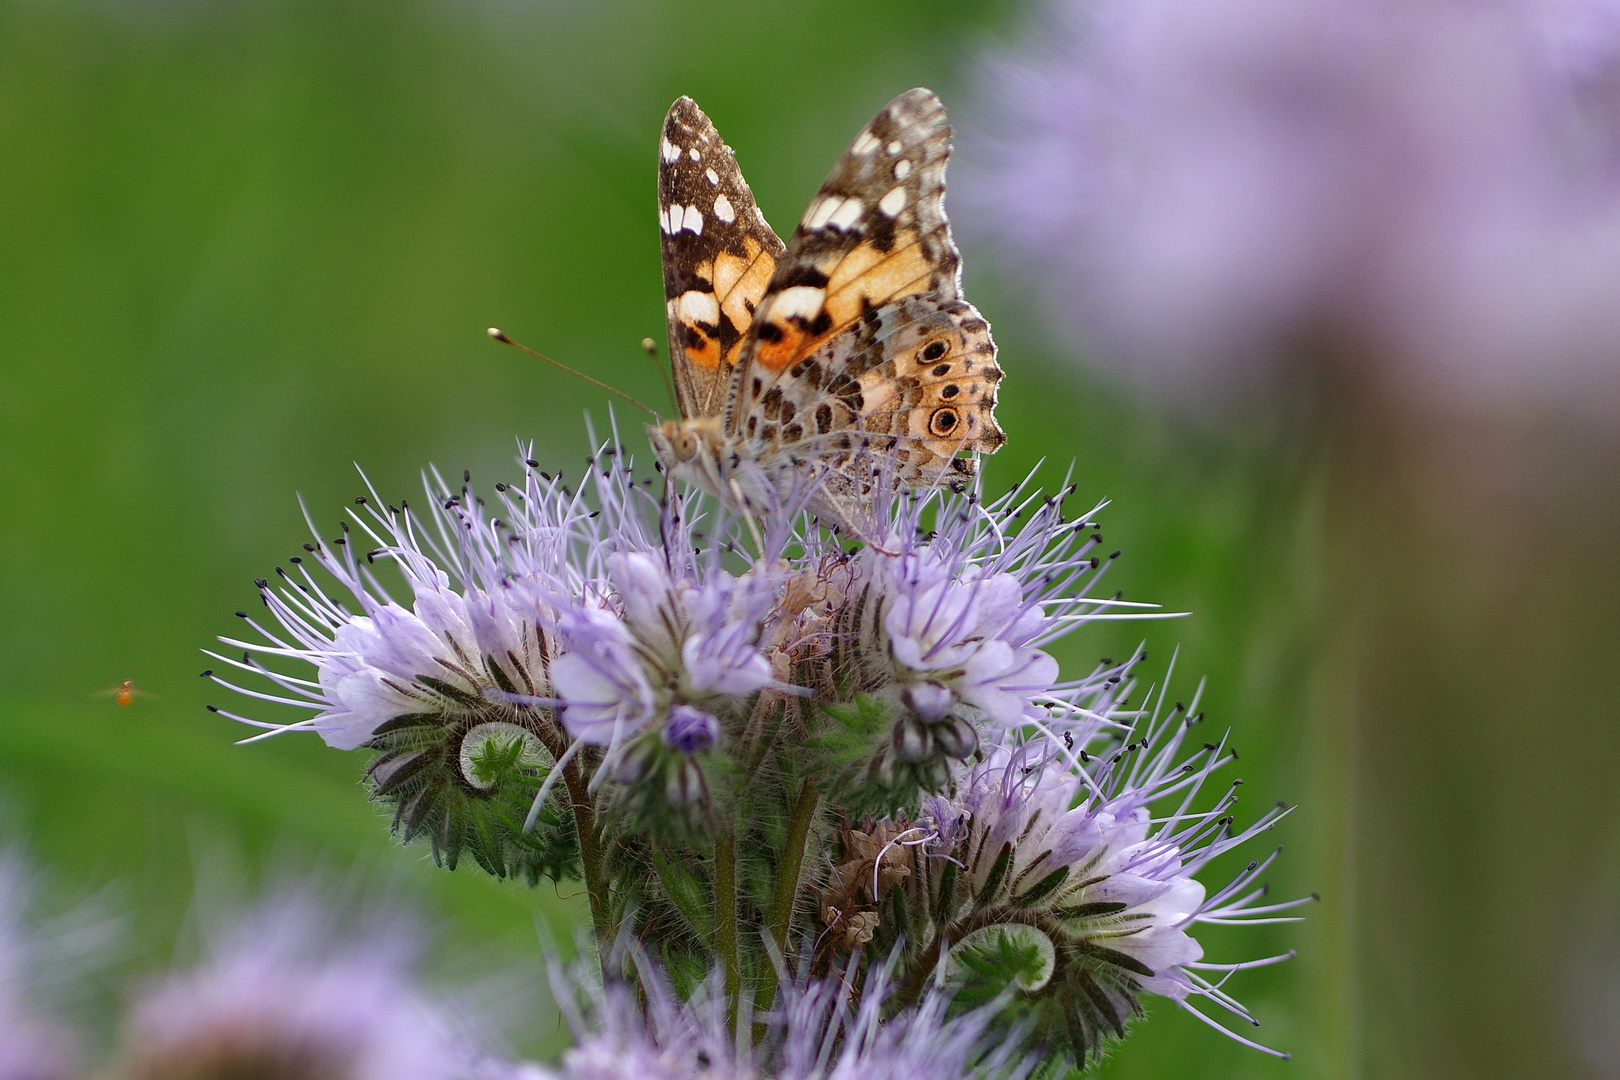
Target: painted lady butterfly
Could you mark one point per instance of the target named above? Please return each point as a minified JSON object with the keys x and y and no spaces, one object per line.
{"x":848,"y":352}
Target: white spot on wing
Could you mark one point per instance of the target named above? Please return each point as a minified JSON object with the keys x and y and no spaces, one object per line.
{"x":820,"y":211}
{"x":693,"y":220}
{"x":864,"y":144}
{"x":669,"y":150}
{"x":847,"y":216}
{"x":894,"y":147}
{"x":694,"y":155}
{"x":665,"y":216}
{"x":714,"y":177}
{"x":801,"y":300}
{"x":700,"y":307}
{"x":893,"y":202}
{"x":902,"y":169}
{"x":723,"y":210}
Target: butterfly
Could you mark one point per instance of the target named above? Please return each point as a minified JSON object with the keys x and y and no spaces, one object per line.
{"x":847,"y":355}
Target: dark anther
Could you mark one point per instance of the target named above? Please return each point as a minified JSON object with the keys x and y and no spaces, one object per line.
{"x":531,"y":463}
{"x":309,"y":548}
{"x":361,"y":501}
{"x":466,"y":476}
{"x":211,"y":708}
{"x":208,"y":674}
{"x":241,"y":615}
{"x":1116,"y":555}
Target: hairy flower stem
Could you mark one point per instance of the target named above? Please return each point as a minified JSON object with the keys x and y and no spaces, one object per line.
{"x":787,"y":888}
{"x":555,"y":740}
{"x":590,"y":854}
{"x":725,"y":916}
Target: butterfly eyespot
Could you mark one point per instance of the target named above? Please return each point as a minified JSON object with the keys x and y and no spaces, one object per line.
{"x":943,"y":422}
{"x":950,"y":390}
{"x":943,"y":369}
{"x":934,"y":350}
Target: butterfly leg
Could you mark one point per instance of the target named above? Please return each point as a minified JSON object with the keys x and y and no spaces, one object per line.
{"x":747,"y":512}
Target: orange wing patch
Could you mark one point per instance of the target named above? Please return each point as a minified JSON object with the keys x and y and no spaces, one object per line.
{"x":799,"y":318}
{"x":737,"y":282}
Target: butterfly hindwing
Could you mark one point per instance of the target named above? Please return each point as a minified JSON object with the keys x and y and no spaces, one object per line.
{"x":719,"y":256}
{"x":876,"y":232}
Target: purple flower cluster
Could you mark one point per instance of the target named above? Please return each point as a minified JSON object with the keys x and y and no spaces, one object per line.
{"x":866,"y":750}
{"x":1062,"y":847}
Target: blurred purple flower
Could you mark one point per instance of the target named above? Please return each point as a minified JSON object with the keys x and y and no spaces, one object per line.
{"x":1202,"y":190}
{"x":32,"y":1046}
{"x":284,"y":993}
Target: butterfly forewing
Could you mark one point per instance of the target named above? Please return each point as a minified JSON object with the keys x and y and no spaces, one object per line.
{"x":719,"y":257}
{"x":862,"y":339}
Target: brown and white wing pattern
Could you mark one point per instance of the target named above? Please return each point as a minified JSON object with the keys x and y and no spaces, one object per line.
{"x":862,"y":339}
{"x":719,"y":257}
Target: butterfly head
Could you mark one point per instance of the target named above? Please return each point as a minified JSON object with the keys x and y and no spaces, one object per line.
{"x":680,"y":444}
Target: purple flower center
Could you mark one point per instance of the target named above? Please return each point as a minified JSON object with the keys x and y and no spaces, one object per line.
{"x":690,"y":730}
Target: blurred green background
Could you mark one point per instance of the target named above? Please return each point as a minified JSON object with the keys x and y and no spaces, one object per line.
{"x":244,"y":244}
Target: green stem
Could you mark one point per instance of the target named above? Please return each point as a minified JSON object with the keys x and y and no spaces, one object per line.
{"x":590,"y":854}
{"x":577,"y":781}
{"x":725,"y":916}
{"x":787,"y":889}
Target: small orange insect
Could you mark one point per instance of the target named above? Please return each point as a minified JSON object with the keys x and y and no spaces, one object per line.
{"x":124,"y":693}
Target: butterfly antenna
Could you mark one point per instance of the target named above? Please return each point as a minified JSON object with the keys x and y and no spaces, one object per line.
{"x":500,"y":336}
{"x":650,"y":347}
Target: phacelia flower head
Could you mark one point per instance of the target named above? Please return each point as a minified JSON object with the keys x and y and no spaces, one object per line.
{"x":939,"y":630}
{"x":1050,"y":879}
{"x":449,"y":684}
{"x":866,"y":748}
{"x":658,"y":641}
